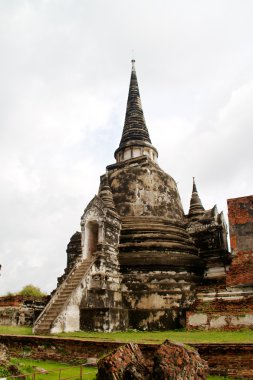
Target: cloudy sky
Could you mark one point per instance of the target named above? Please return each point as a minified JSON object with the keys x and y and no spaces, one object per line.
{"x":64,"y":77}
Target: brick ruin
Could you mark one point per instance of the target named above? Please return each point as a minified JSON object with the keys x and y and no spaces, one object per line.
{"x":229,"y":304}
{"x":240,"y":212}
{"x":139,"y":262}
{"x":16,"y":310}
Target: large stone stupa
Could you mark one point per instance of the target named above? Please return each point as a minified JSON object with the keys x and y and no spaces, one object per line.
{"x":138,"y":258}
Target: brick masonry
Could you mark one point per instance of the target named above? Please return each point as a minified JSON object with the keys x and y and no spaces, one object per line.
{"x":16,"y":310}
{"x":240,"y":214}
{"x":223,"y":359}
{"x":170,"y":361}
{"x":230,"y":305}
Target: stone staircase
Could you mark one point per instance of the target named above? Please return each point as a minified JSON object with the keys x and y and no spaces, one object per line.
{"x":44,"y":322}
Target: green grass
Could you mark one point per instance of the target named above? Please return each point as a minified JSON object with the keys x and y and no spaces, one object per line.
{"x":242,"y":336}
{"x":15,"y":330}
{"x":70,"y":372}
{"x":89,"y":373}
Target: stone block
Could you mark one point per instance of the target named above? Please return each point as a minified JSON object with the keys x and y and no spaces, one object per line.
{"x":124,"y":363}
{"x":197,"y":320}
{"x":170,"y":361}
{"x":218,"y":322}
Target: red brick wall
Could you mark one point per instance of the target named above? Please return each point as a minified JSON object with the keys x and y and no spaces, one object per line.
{"x":240,"y":215}
{"x":17,"y":300}
{"x":223,"y":358}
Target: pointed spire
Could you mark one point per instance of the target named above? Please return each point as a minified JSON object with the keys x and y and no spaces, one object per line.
{"x":196,"y":207}
{"x":135,"y":125}
{"x":105,"y":193}
{"x":135,"y":132}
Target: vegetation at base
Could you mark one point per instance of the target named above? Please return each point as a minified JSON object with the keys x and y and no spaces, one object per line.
{"x":28,"y":366}
{"x":4,"y":372}
{"x":28,"y":291}
{"x":16,"y":330}
{"x":241,"y":336}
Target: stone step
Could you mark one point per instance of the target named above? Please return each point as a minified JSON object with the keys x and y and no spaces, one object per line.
{"x":44,"y":324}
{"x":51,"y":312}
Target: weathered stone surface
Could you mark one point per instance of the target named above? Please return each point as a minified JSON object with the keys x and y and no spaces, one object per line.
{"x":178,"y":362}
{"x":208,"y":230}
{"x":20,"y":311}
{"x":230,"y":306}
{"x":74,"y":252}
{"x":4,"y":354}
{"x":221,"y":308}
{"x":124,"y":363}
{"x":171,"y":361}
{"x":7,"y":368}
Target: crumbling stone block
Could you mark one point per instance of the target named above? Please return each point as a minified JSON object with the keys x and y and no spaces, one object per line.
{"x":176,"y":361}
{"x":124,"y":363}
{"x":172,"y":361}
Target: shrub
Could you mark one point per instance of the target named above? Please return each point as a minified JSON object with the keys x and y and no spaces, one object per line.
{"x":31,"y":291}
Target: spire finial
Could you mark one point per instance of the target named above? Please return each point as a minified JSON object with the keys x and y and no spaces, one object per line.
{"x":135,"y":132}
{"x":135,"y":126}
{"x":194,"y":187}
{"x":133,"y":64}
{"x":196,"y":207}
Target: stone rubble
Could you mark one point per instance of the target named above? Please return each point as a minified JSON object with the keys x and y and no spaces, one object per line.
{"x":172,"y":361}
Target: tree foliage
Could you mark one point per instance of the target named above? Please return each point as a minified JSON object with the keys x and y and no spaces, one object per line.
{"x":31,"y":291}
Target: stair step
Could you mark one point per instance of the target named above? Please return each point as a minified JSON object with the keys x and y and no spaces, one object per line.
{"x":44,"y":324}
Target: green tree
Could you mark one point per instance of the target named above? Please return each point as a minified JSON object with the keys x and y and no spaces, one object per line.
{"x":31,"y":291}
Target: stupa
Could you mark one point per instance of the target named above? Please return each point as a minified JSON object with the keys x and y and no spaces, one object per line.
{"x":138,"y":258}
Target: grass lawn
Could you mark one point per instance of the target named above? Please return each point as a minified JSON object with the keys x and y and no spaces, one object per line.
{"x":28,"y":366}
{"x":242,"y":336}
{"x":89,"y":373}
{"x":15,"y":330}
{"x":66,"y":371}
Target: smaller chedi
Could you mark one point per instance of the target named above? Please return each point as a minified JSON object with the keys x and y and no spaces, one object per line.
{"x":138,"y":260}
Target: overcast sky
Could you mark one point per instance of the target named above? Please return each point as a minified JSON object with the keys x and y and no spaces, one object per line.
{"x":64,"y":76}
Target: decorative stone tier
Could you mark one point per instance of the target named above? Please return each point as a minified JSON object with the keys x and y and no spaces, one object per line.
{"x":154,"y":234}
{"x":160,"y":270}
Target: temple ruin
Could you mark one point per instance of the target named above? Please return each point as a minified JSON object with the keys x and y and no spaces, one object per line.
{"x":138,"y":262}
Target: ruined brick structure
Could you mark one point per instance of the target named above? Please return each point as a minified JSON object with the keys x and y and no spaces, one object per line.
{"x":16,"y":310}
{"x":138,"y":261}
{"x":240,"y":212}
{"x":229,"y":305}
